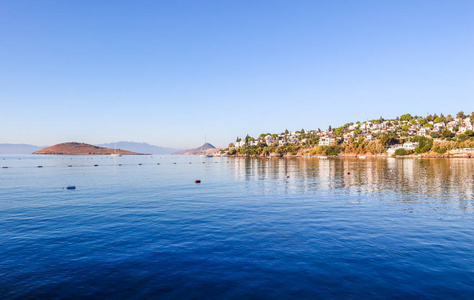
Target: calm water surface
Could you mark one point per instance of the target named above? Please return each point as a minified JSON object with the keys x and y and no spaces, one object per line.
{"x":260,"y":229}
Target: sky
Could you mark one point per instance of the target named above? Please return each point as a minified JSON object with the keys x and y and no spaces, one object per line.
{"x":174,"y":73}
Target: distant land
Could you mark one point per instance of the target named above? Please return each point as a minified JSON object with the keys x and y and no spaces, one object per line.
{"x":18,"y":148}
{"x":206,"y":148}
{"x":73,"y":148}
{"x":140,"y":147}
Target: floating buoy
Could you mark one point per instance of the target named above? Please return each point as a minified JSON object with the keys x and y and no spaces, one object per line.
{"x":287,"y":176}
{"x":157,"y":163}
{"x":69,"y":166}
{"x":40,"y":166}
{"x":4,"y":167}
{"x":348,"y":173}
{"x":139,"y":164}
{"x":96,"y":165}
{"x":71,"y":187}
{"x":174,"y":163}
{"x":119,"y":165}
{"x":190,"y":163}
{"x":197,"y":181}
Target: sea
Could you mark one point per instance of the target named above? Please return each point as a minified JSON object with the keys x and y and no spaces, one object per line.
{"x":140,"y":227}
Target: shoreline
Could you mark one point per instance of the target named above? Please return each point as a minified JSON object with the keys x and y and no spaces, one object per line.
{"x":350,"y":156}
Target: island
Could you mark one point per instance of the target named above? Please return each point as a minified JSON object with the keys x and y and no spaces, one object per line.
{"x":73,"y":148}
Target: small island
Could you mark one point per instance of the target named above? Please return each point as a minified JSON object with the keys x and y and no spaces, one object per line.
{"x":73,"y":148}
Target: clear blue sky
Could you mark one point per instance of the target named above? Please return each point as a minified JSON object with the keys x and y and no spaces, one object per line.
{"x":170,"y":72}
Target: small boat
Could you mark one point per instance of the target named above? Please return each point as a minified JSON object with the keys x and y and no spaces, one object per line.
{"x":323,"y":157}
{"x":115,"y":154}
{"x":362,"y":157}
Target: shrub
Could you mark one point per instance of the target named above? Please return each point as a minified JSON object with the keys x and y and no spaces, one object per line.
{"x":402,"y":151}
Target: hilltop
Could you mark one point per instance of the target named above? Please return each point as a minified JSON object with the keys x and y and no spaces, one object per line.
{"x":74,"y":148}
{"x":204,"y":149}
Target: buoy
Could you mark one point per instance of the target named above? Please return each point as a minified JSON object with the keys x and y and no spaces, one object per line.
{"x":287,"y":176}
{"x":69,"y":166}
{"x":71,"y":187}
{"x":40,"y":166}
{"x":119,"y":165}
{"x":4,"y":167}
{"x":197,"y":181}
{"x":96,"y":165}
{"x":139,"y":164}
{"x":157,"y":163}
{"x":348,"y":173}
{"x":174,"y":163}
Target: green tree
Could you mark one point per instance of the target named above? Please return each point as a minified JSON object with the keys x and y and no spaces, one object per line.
{"x":462,"y":137}
{"x":469,"y":133}
{"x":460,"y":115}
{"x":401,"y":151}
{"x":439,"y":120}
{"x":434,"y":135}
{"x":424,"y":144}
{"x":446,"y":133}
{"x":405,"y":117}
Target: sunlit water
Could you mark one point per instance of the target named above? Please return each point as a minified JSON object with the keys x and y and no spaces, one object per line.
{"x":254,"y":228}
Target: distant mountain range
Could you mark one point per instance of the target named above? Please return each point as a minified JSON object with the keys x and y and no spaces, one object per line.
{"x":140,"y":147}
{"x":18,"y":148}
{"x":199,"y":150}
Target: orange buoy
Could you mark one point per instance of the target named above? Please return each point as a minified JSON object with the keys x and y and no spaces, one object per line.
{"x":197,"y":181}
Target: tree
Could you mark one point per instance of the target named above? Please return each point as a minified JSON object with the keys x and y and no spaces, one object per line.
{"x":286,"y":131}
{"x":439,"y":120}
{"x":247,"y":140}
{"x":238,"y":139}
{"x":405,"y":117}
{"x":469,"y":133}
{"x":330,"y":128}
{"x":401,"y":151}
{"x":446,"y":133}
{"x":462,"y":137}
{"x":434,"y":135}
{"x":231,"y":145}
{"x":424,"y":144}
{"x":460,"y":115}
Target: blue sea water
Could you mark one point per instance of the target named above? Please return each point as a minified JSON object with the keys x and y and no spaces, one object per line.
{"x":302,"y":228}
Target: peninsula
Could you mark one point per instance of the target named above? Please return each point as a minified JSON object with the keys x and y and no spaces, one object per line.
{"x":74,"y":148}
{"x":430,"y":136}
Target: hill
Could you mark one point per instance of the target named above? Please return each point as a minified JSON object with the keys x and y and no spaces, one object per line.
{"x":199,"y":150}
{"x":18,"y":148}
{"x":74,"y":148}
{"x":140,"y":147}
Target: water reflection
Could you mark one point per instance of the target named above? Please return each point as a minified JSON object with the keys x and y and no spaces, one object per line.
{"x":404,"y":179}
